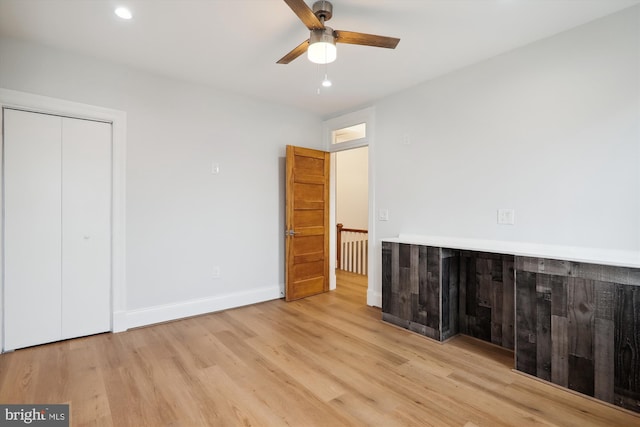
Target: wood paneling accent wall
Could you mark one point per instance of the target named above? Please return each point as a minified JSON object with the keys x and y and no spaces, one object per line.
{"x":420,"y":289}
{"x":578,"y":326}
{"x":574,"y":324}
{"x":439,"y":292}
{"x":486,"y":297}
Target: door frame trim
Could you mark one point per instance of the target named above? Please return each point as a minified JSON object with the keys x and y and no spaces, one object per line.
{"x":118,"y":119}
{"x":366,"y":115}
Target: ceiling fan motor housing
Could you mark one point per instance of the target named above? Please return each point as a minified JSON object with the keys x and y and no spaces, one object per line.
{"x":323,"y":10}
{"x":322,"y":36}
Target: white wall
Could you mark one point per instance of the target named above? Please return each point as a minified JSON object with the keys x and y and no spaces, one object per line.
{"x":181,"y":219}
{"x":352,"y":188}
{"x":550,"y":130}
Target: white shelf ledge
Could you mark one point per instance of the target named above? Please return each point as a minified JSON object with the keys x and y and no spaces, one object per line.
{"x":617,"y":258}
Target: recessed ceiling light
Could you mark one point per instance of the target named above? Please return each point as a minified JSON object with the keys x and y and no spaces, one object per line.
{"x":123,"y":13}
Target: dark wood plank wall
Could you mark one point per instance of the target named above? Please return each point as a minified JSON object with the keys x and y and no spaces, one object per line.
{"x":526,"y":323}
{"x":578,"y":326}
{"x":574,"y":324}
{"x":420,"y":289}
{"x":440,"y":292}
{"x":429,"y":257}
{"x":626,"y":346}
{"x":450,"y":289}
{"x":486,"y":297}
{"x":410,"y":287}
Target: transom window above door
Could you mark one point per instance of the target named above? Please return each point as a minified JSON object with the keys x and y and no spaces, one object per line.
{"x":350,"y":133}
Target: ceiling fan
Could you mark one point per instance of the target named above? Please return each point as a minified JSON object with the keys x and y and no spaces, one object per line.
{"x":321,"y":45}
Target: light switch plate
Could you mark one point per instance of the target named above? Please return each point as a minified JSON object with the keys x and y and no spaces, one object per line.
{"x":383,"y":214}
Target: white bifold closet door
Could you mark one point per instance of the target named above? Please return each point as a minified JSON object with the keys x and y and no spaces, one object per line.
{"x":57,"y":228}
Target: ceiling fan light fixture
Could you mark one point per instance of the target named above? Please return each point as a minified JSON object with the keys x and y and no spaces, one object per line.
{"x":322,"y":53}
{"x":322,"y":46}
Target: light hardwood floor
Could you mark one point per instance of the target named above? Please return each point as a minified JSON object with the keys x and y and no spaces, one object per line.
{"x":327,"y":360}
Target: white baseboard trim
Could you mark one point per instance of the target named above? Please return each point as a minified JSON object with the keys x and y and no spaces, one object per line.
{"x":167,"y":312}
{"x":119,"y":321}
{"x":374,"y":298}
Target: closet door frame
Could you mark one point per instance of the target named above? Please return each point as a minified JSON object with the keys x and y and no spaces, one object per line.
{"x":118,"y":119}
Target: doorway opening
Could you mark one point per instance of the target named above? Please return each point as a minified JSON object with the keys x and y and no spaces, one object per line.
{"x":349,"y":139}
{"x":352,"y":219}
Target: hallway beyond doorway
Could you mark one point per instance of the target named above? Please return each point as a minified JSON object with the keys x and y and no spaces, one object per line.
{"x":352,"y":286}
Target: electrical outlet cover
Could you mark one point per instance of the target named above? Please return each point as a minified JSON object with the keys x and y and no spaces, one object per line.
{"x":506,"y":216}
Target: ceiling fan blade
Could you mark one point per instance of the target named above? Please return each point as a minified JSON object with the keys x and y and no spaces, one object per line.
{"x":305,"y":14}
{"x":297,"y":51}
{"x":351,"y":37}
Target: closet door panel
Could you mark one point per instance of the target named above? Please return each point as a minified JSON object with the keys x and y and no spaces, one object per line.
{"x":86,"y":227}
{"x":32,"y":227}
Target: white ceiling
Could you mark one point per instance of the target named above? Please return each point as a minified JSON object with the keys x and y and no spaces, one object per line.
{"x":234,"y":44}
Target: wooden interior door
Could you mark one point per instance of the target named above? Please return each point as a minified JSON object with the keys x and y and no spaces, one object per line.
{"x":307,"y":223}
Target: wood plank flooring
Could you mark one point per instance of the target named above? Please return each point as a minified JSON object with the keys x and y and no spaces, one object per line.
{"x":326,"y":360}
